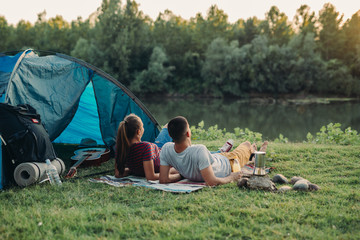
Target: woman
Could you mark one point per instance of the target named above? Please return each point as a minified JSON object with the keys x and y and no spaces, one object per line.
{"x":134,"y":156}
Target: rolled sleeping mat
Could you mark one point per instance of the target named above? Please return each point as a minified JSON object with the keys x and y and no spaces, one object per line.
{"x":28,"y":173}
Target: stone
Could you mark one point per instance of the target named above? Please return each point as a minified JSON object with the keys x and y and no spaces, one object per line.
{"x":242,"y":182}
{"x":284,"y":189}
{"x":261,"y":183}
{"x":279,"y":178}
{"x":313,"y":187}
{"x":296,"y":178}
{"x":301,"y":185}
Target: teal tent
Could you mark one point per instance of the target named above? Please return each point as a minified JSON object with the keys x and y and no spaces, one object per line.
{"x":74,"y":99}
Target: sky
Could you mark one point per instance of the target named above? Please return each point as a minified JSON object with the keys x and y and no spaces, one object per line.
{"x":15,"y":10}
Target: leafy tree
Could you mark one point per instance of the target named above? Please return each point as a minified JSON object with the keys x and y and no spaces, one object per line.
{"x":337,"y":79}
{"x":214,"y":68}
{"x":207,"y":29}
{"x":123,"y":38}
{"x":251,"y":29}
{"x":351,"y":54}
{"x":246,"y":31}
{"x":276,"y":27}
{"x":79,"y":29}
{"x":23,"y":36}
{"x":305,"y":21}
{"x":4,"y":34}
{"x":154,"y":79}
{"x":53,"y":34}
{"x":271,"y":67}
{"x":331,"y":41}
{"x":174,"y":35}
{"x":57,"y":34}
{"x":309,"y":69}
{"x":191,"y":81}
{"x":87,"y":51}
{"x":225,"y":70}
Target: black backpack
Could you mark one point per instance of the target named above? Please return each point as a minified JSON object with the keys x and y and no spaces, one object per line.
{"x":24,"y":137}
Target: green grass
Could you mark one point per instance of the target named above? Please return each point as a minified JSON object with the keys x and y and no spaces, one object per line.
{"x":84,"y":210}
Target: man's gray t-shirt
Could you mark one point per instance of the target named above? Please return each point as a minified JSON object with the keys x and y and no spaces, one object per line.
{"x":192,"y":160}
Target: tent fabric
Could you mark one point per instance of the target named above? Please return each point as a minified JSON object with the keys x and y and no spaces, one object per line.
{"x":7,"y":64}
{"x":75,"y":99}
{"x":51,"y":85}
{"x":112,"y":99}
{"x":3,"y":81}
{"x":85,"y":122}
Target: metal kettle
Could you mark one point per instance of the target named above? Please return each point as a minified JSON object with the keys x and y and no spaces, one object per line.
{"x":260,"y":159}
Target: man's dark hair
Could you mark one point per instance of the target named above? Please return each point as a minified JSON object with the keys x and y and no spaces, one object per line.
{"x":177,"y":128}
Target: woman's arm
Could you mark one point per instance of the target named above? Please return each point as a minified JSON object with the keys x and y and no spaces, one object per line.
{"x":118,"y":175}
{"x":150,"y":171}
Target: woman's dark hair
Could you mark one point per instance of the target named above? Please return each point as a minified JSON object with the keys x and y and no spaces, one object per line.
{"x":126,"y":131}
{"x":177,"y":128}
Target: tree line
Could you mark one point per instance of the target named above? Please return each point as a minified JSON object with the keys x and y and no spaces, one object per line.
{"x":206,"y":55}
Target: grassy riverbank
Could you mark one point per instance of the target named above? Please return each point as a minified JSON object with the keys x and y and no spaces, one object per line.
{"x":84,"y":210}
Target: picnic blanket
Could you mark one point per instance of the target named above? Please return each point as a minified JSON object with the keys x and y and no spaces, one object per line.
{"x":182,"y":186}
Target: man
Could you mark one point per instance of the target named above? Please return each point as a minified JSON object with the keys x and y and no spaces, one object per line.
{"x":195,"y":162}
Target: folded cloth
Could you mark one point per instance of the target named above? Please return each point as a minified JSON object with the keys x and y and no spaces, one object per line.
{"x":183,"y":186}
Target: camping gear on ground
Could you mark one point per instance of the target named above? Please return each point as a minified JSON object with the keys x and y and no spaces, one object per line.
{"x":52,"y":173}
{"x":87,"y":157}
{"x":25,"y":138}
{"x":75,"y":99}
{"x":24,"y":135}
{"x":259,"y":163}
{"x":29,"y":173}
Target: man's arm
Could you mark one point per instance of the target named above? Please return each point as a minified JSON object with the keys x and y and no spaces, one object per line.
{"x":166,"y":177}
{"x":211,"y":180}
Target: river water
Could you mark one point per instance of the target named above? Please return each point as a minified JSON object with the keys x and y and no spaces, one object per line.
{"x":294,"y":121}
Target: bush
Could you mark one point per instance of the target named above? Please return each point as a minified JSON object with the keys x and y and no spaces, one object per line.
{"x":213,"y":133}
{"x":333,"y":134}
{"x":330,"y":134}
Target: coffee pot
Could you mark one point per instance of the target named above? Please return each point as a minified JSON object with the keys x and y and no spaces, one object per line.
{"x":259,"y":169}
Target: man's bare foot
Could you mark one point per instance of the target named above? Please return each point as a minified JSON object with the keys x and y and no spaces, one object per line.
{"x":264,"y":146}
{"x":253,"y":148}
